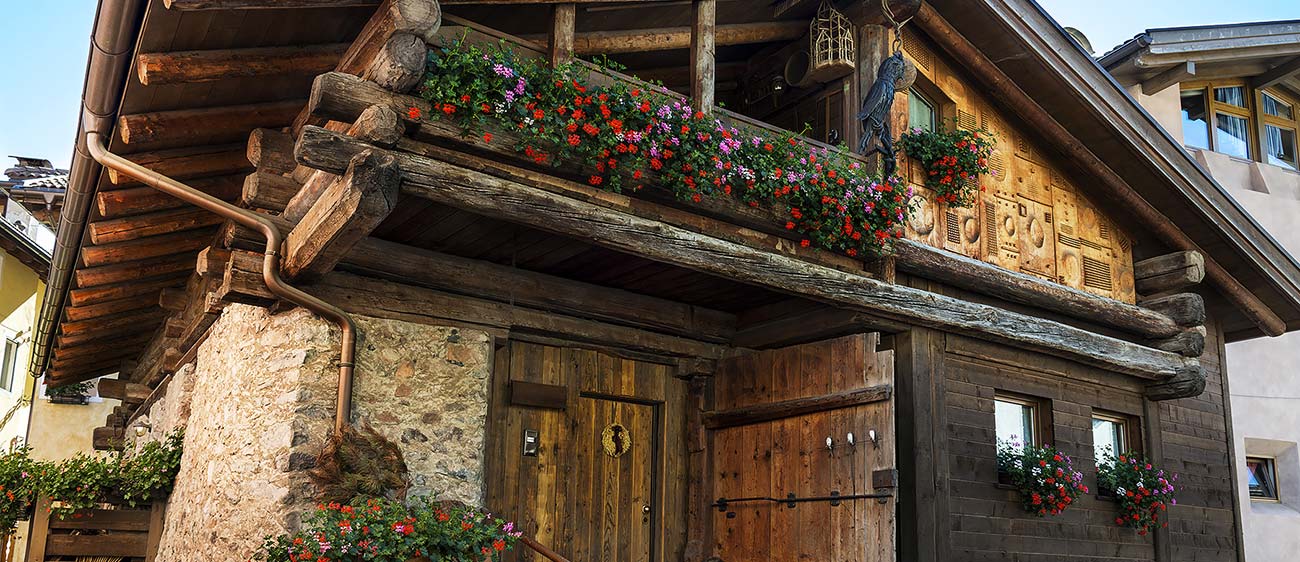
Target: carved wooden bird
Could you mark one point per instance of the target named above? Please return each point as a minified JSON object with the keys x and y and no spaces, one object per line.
{"x":874,"y":114}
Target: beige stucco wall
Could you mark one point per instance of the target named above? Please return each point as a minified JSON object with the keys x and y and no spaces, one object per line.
{"x":259,"y":404}
{"x":1264,"y":387}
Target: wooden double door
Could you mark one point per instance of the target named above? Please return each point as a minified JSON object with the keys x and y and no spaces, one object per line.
{"x":582,"y":454}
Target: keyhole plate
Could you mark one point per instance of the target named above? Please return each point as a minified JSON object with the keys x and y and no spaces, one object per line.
{"x":616,"y":440}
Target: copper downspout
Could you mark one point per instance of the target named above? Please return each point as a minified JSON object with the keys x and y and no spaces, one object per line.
{"x":270,"y":266}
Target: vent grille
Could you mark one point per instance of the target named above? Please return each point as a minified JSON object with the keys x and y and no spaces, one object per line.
{"x":1094,"y":245}
{"x":1066,"y":229}
{"x":1068,"y":240}
{"x":954,"y":229}
{"x":1022,"y":145}
{"x":966,"y":120}
{"x":1096,"y":274}
{"x":1105,"y":231}
{"x":991,"y":227}
{"x":918,"y":50}
{"x":1047,"y":218}
{"x":998,"y":165}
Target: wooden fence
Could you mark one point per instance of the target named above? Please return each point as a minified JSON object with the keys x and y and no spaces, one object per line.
{"x":131,"y":534}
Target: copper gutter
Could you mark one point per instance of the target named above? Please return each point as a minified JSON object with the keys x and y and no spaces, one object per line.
{"x":97,"y":145}
{"x":1039,"y":119}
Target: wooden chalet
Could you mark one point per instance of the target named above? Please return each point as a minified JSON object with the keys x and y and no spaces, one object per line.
{"x":1098,"y":276}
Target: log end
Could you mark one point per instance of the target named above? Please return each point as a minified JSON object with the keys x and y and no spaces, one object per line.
{"x":1187,"y":383}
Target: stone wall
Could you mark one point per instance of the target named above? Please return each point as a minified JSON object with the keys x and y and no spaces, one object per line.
{"x":258,"y":406}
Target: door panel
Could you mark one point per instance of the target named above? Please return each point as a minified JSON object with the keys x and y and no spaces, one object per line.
{"x":789,"y":456}
{"x":596,"y":468}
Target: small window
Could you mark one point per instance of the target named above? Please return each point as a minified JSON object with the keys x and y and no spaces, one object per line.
{"x":9,"y":366}
{"x":1275,"y":107}
{"x":1016,"y":420}
{"x":1262,"y":479}
{"x":1196,"y":127}
{"x":920,"y":111}
{"x":1109,"y":438}
{"x":1232,"y":135}
{"x":1232,"y":95}
{"x":1280,"y":126}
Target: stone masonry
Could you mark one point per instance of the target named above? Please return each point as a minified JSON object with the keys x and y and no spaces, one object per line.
{"x":258,"y":405}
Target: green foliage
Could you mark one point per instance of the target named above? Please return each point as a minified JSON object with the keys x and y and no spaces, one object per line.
{"x":85,"y":481}
{"x":76,"y":389}
{"x":150,"y":473}
{"x":618,"y":136}
{"x":360,"y":464}
{"x":953,"y":161}
{"x":390,"y":531}
{"x":17,"y":487}
{"x":1045,"y":478}
{"x":1142,"y":490}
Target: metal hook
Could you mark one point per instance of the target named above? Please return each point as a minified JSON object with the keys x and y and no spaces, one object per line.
{"x":849,"y":438}
{"x":830,"y":443}
{"x":875,"y":441}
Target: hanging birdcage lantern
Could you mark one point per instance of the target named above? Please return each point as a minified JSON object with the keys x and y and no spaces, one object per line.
{"x":831,"y":45}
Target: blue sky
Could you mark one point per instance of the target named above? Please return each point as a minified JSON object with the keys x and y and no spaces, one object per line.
{"x":45,"y":43}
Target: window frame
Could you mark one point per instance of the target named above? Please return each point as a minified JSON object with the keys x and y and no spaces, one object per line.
{"x":1270,"y":464}
{"x":936,"y":109}
{"x":1040,"y":418}
{"x":9,"y":365}
{"x":1214,"y":107}
{"x":1265,"y":120}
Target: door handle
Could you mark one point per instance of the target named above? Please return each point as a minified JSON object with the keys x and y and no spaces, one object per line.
{"x":645,"y":509}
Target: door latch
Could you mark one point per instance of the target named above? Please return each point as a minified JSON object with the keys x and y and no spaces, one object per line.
{"x":530,"y":442}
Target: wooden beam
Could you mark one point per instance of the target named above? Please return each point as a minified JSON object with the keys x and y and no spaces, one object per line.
{"x":760,"y":413}
{"x":815,"y":322}
{"x":187,"y":163}
{"x":975,"y":275}
{"x":110,"y":326}
{"x":152,"y":224}
{"x":380,"y":125}
{"x":213,"y":124}
{"x":704,"y":52}
{"x":86,"y":296}
{"x":1171,"y":272}
{"x":671,"y":38}
{"x":400,"y":64}
{"x":186,"y":5}
{"x":1277,"y":74}
{"x":131,"y":271}
{"x":78,"y":313}
{"x":271,"y":151}
{"x":393,"y":261}
{"x":1189,"y":343}
{"x":125,"y":391}
{"x":108,"y":439}
{"x":563,"y":19}
{"x":173,"y":299}
{"x":189,"y":67}
{"x":265,"y":190}
{"x":345,"y":213}
{"x":1186,"y":309}
{"x":512,"y":201}
{"x":1109,"y":183}
{"x":1184,"y":385}
{"x":93,"y":350}
{"x":1179,"y":73}
{"x":146,"y":248}
{"x":140,"y":200}
{"x":382,"y":299}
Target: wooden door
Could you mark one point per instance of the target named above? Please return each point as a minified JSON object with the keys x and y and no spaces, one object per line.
{"x":606,"y":475}
{"x":768,"y":442}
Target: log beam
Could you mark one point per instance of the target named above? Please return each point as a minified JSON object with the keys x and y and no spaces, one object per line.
{"x":131,"y":271}
{"x":145,"y":248}
{"x":345,"y":213}
{"x":265,"y":190}
{"x":491,"y":196}
{"x":759,"y":413}
{"x":1183,"y":385}
{"x":85,"y":296}
{"x":396,"y":262}
{"x":119,"y":203}
{"x":126,"y":391}
{"x":189,"y":67}
{"x":1277,"y":74}
{"x":187,"y":163}
{"x":152,"y":224}
{"x":218,"y":124}
{"x":376,"y":124}
{"x":271,"y":150}
{"x":108,"y":438}
{"x":704,"y":49}
{"x":1185,"y":309}
{"x":1179,"y":73}
{"x":671,"y":38}
{"x":1189,"y":343}
{"x":563,"y":20}
{"x":188,"y":5}
{"x":1171,"y":272}
{"x":975,"y":275}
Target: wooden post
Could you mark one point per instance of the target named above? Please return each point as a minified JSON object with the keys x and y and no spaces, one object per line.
{"x":699,"y":519}
{"x":703,"y":53}
{"x":563,"y":20}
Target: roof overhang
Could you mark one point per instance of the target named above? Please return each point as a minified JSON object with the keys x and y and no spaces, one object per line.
{"x":1028,"y":46}
{"x":1266,"y":52}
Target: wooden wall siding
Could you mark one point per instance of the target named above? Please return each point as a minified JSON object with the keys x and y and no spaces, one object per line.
{"x":785,"y":456}
{"x":1031,"y":217}
{"x":572,"y":497}
{"x":972,"y":518}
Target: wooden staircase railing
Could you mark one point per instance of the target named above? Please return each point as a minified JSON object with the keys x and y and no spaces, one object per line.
{"x":126,"y":533}
{"x":542,"y":550}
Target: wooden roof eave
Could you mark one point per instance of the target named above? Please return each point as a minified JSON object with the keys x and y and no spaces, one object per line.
{"x":1052,"y":70}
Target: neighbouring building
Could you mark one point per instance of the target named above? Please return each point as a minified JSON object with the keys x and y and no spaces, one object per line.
{"x":1230,"y":94}
{"x":25,"y":247}
{"x":668,"y":373}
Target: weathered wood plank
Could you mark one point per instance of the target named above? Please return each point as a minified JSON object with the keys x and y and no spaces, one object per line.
{"x":563,"y":18}
{"x":119,"y":203}
{"x":671,"y":38}
{"x":795,"y":407}
{"x":152,"y":224}
{"x":271,"y":150}
{"x":975,"y":275}
{"x":125,"y":391}
{"x":189,"y":67}
{"x":492,"y":196}
{"x":220,"y":124}
{"x":396,"y":262}
{"x":187,"y":163}
{"x":1171,"y":272}
{"x":265,"y":190}
{"x":703,"y":54}
{"x":345,"y":213}
{"x":1185,"y":309}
